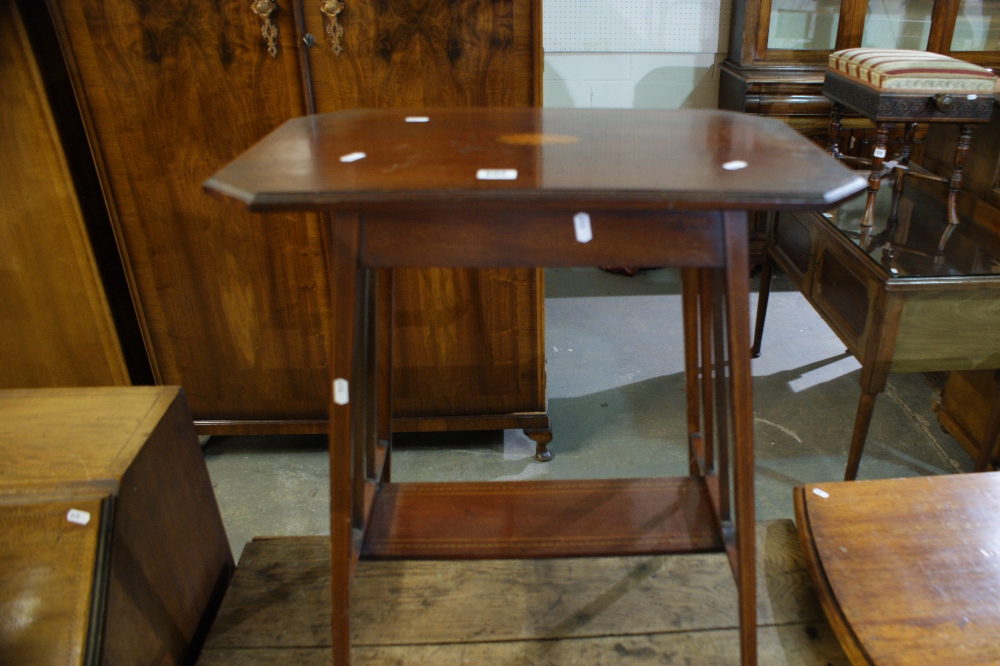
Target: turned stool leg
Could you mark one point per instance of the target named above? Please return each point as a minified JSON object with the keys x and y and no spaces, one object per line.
{"x":897,"y":186}
{"x":955,"y":184}
{"x":833,"y":132}
{"x":875,"y":177}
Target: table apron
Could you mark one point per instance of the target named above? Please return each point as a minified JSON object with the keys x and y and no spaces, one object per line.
{"x":481,"y":239}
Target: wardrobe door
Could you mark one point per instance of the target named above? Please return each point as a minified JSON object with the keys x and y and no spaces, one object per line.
{"x":55,"y":325}
{"x":233,"y":303}
{"x":467,"y":343}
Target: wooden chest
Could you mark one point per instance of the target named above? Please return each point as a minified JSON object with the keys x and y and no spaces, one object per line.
{"x":113,"y":549}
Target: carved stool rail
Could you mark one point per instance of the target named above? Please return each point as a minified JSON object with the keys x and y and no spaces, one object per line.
{"x":890,"y":86}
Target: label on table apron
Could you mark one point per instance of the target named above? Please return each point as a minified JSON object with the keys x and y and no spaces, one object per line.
{"x":581,"y":226}
{"x":340,"y":393}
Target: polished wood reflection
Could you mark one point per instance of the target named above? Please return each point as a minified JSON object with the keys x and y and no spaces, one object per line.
{"x":906,"y":569}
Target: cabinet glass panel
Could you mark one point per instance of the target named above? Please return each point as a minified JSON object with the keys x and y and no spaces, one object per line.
{"x":803,"y":25}
{"x":978,"y":26}
{"x":897,"y":24}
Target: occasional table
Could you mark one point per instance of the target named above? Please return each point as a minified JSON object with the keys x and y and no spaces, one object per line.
{"x":538,"y":187}
{"x":907,"y":569}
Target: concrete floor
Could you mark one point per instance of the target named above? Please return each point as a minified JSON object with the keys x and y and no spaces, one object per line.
{"x":616,"y":406}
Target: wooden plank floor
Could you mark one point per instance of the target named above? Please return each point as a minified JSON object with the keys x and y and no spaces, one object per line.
{"x":665,"y":609}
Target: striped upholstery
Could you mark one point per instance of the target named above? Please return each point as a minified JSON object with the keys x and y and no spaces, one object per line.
{"x":904,"y":71}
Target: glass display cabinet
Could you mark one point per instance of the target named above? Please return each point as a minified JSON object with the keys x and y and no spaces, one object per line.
{"x":778,"y":52}
{"x":778,"y":49}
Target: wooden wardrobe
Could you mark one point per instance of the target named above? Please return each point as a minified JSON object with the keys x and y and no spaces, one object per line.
{"x":232,"y":305}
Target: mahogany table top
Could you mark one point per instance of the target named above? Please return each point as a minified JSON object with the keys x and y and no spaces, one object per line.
{"x":537,"y":157}
{"x":907,"y":569}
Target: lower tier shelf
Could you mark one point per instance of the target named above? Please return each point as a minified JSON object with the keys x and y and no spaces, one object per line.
{"x":532,"y":519}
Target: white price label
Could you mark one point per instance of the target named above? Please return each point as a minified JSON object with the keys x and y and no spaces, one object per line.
{"x":497,"y":174}
{"x":77,"y":516}
{"x":341,"y":395}
{"x":879,"y":152}
{"x":581,"y":227}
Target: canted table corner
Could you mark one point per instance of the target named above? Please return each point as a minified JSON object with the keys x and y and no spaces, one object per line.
{"x":538,"y":187}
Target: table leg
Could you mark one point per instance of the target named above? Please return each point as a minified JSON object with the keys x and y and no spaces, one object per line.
{"x":764,"y":290}
{"x":866,"y":405}
{"x":344,"y":307}
{"x":383,"y":324}
{"x":696,"y":439}
{"x":990,"y":435}
{"x":741,"y":398}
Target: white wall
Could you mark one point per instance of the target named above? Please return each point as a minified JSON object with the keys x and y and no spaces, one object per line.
{"x":633,"y":53}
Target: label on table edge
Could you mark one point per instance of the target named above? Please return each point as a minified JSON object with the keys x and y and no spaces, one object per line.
{"x":850,"y":187}
{"x":581,"y":227}
{"x":78,"y":516}
{"x":496,"y":174}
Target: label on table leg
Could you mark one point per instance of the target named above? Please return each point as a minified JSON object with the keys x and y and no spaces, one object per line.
{"x":581,"y":226}
{"x":879,"y":152}
{"x":340,"y":393}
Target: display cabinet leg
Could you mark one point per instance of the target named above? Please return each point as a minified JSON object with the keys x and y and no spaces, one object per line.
{"x":866,"y":405}
{"x":541,"y":437}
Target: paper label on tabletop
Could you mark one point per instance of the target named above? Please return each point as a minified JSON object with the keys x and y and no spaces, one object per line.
{"x":77,"y":516}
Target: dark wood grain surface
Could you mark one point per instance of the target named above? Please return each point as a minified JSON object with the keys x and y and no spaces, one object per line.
{"x":47,"y":569}
{"x":561,"y":156}
{"x":55,"y":325}
{"x":907,"y":569}
{"x":234,"y":306}
{"x":140,"y":580}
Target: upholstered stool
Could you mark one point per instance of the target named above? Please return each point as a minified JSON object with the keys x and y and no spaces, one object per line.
{"x":910,"y":87}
